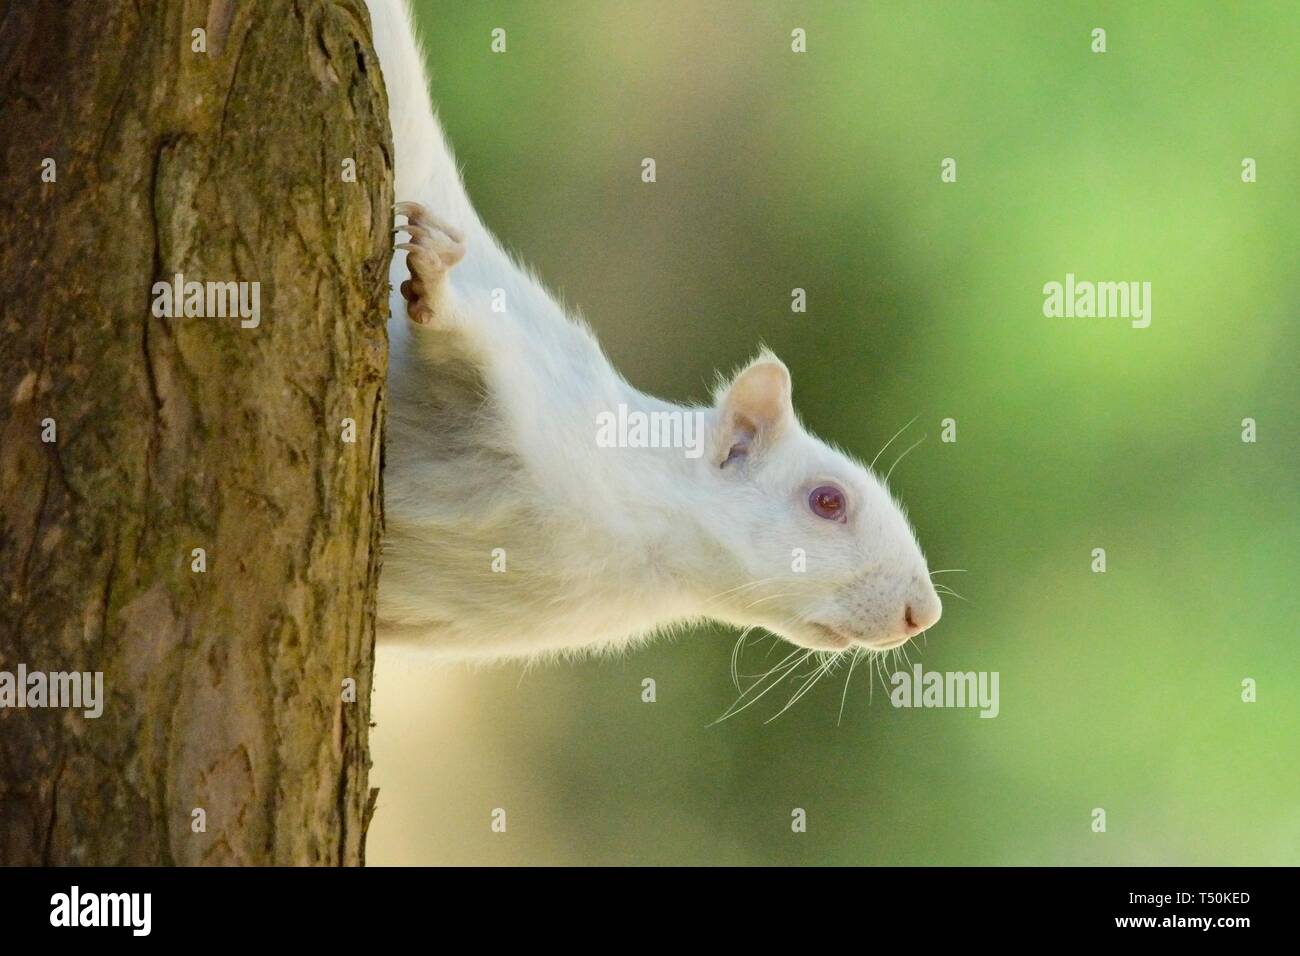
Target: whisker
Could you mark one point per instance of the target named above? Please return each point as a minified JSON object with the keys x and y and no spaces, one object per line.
{"x":773,"y":597}
{"x":776,"y":667}
{"x":742,"y":587}
{"x":943,"y":589}
{"x":735,"y":656}
{"x":853,"y":662}
{"x":817,"y":675}
{"x":902,"y":456}
{"x":880,"y":670}
{"x":872,"y":466}
{"x":733,"y":709}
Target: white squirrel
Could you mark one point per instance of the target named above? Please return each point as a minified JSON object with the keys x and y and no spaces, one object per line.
{"x":511,"y":533}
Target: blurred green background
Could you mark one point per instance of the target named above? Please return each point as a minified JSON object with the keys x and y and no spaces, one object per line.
{"x":775,"y":170}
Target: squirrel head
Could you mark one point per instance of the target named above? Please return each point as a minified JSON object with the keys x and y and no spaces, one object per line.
{"x":838,"y":562}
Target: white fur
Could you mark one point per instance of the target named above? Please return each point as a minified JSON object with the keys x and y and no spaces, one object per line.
{"x":491,"y":444}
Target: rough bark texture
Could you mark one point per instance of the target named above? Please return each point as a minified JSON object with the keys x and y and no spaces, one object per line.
{"x":223,"y":688}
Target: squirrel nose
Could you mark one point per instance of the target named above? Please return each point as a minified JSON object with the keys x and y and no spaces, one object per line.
{"x":921,"y":615}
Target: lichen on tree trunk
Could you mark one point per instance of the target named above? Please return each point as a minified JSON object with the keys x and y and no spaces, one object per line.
{"x":224,"y":688}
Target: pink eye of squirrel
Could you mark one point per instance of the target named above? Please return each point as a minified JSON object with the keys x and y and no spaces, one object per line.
{"x":827,"y":501}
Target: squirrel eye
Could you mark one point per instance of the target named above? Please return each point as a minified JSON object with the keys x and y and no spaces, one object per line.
{"x":827,"y":501}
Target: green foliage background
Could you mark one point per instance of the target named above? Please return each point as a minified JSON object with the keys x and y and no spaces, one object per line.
{"x":1118,"y":690}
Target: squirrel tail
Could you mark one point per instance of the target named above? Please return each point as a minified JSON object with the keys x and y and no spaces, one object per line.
{"x":424,"y":169}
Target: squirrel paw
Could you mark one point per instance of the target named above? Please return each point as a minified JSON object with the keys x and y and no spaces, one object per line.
{"x":434,"y":248}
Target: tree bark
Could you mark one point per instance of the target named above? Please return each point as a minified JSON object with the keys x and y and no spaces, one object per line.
{"x":225,"y":687}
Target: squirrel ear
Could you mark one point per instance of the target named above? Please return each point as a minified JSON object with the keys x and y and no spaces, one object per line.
{"x":753,"y":410}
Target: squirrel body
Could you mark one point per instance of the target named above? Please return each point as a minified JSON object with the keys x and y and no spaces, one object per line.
{"x":512,"y":532}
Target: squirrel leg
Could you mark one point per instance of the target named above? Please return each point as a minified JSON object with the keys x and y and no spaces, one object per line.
{"x":433,"y":249}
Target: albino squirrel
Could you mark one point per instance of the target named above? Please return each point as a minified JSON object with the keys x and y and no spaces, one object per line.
{"x":511,"y":532}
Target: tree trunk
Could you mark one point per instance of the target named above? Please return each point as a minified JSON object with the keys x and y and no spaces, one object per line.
{"x":130,"y":439}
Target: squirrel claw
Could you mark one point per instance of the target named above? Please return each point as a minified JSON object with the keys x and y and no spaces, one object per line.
{"x":434,"y":247}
